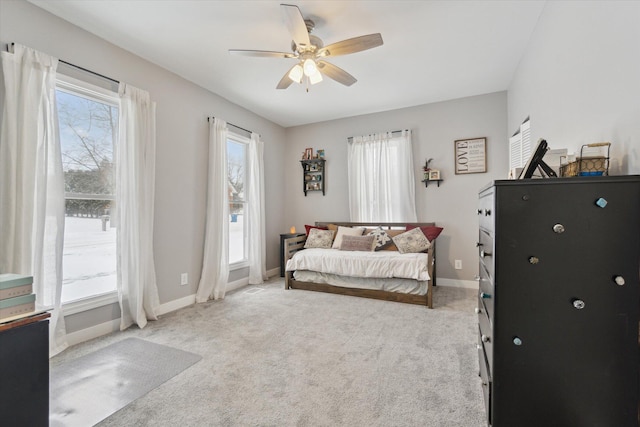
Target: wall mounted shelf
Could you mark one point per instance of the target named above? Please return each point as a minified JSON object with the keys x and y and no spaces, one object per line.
{"x":427,"y":181}
{"x":313,"y":175}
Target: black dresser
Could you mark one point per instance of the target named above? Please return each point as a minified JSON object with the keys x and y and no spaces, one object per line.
{"x":558,"y":301}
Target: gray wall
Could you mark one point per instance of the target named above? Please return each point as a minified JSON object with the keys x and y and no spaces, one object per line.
{"x":182,"y":132}
{"x":435,"y":127}
{"x":579,"y":80}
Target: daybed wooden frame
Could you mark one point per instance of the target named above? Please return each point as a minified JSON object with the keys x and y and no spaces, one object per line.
{"x":295,"y":244}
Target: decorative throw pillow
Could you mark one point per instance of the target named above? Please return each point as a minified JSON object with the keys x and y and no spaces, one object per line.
{"x":382,"y":238}
{"x":319,"y":239}
{"x":309,"y":227}
{"x":430,"y":231}
{"x":392,"y":246}
{"x":412,"y":241}
{"x":346,"y":231}
{"x":357,"y":243}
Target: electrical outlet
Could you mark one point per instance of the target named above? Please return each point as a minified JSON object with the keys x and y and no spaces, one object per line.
{"x":458,"y":264}
{"x":184,"y":279}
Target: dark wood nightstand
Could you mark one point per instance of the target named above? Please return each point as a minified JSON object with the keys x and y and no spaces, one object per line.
{"x":282,"y":239}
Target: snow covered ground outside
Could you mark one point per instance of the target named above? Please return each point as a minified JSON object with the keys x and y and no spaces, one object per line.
{"x":89,"y":260}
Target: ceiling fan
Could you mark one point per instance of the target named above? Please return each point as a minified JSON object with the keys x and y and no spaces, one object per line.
{"x":309,"y":51}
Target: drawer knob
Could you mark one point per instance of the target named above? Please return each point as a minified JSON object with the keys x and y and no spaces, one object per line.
{"x":483,"y":253}
{"x":558,"y":228}
{"x":619,"y":280}
{"x":517,"y":341}
{"x":479,"y":211}
{"x":485,"y":338}
{"x":601,"y":202}
{"x":478,"y":310}
{"x":534,"y":260}
{"x":578,"y":304}
{"x":487,"y":212}
{"x":485,"y":295}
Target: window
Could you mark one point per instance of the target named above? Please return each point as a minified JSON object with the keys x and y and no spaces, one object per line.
{"x":237,"y":148}
{"x":520,"y":146}
{"x":88,"y":123}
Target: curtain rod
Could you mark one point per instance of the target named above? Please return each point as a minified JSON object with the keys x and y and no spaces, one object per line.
{"x":78,"y":67}
{"x":231,"y":124}
{"x":89,"y":71}
{"x":393,"y":131}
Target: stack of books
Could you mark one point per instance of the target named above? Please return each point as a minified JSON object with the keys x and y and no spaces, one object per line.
{"x":16,"y":295}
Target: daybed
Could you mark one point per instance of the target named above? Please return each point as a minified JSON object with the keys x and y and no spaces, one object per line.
{"x":410,"y":282}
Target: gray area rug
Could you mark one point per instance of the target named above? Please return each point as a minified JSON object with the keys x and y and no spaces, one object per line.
{"x":86,"y":390}
{"x":276,"y":357}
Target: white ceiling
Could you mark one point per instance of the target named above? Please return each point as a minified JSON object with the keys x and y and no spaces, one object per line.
{"x":433,"y":50}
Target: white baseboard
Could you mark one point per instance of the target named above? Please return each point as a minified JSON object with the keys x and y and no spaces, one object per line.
{"x":93,"y":332}
{"x":111,"y":326}
{"x":455,"y":283}
{"x":176,"y":304}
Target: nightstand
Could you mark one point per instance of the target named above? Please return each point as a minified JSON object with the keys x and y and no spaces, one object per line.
{"x":282,"y":239}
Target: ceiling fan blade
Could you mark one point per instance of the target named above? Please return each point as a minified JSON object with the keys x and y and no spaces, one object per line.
{"x":295,"y":23}
{"x":336,"y":73}
{"x":356,"y":44}
{"x":285,"y":82}
{"x":262,"y":53}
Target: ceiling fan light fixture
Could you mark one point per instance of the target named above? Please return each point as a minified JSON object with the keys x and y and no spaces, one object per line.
{"x":315,"y":78}
{"x":310,"y":67}
{"x":296,"y":73}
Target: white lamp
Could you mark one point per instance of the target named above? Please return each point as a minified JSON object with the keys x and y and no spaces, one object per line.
{"x":310,"y":67}
{"x":315,"y":78}
{"x":296,"y":73}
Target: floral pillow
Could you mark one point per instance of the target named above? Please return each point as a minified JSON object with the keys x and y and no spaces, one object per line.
{"x":383,"y":239}
{"x":412,"y":241}
{"x":318,"y":238}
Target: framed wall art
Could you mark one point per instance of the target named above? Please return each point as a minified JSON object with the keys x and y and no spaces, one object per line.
{"x":470,"y":155}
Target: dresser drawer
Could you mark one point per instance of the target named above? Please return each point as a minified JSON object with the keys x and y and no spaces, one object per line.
{"x":486,"y":336}
{"x":485,"y":252}
{"x":485,"y":378}
{"x":486,"y":292}
{"x":486,"y":211}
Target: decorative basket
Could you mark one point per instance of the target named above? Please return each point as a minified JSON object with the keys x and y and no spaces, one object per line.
{"x":588,"y":165}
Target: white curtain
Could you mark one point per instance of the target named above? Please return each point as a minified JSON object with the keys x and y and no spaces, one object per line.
{"x":215,"y":264}
{"x":32,"y":181}
{"x":255,"y":199}
{"x":135,"y":190}
{"x":381,"y":178}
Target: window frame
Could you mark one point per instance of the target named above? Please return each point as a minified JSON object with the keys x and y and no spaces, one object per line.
{"x":239,"y":139}
{"x":91,"y":91}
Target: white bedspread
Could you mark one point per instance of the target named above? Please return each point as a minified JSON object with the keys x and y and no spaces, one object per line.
{"x":383,"y":264}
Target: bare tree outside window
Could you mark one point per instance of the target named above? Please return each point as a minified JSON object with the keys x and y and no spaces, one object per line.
{"x":88,"y":126}
{"x":236,"y":173}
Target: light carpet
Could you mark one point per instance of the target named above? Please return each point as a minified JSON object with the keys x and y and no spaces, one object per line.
{"x":86,"y":390}
{"x":276,"y":357}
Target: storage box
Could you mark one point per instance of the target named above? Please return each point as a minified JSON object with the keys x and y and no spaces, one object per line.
{"x":589,"y":163}
{"x":15,"y":285}
{"x":16,"y":306}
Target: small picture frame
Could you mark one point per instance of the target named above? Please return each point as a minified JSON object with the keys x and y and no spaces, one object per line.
{"x":308,"y":153}
{"x":320,"y":154}
{"x":434,"y":175}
